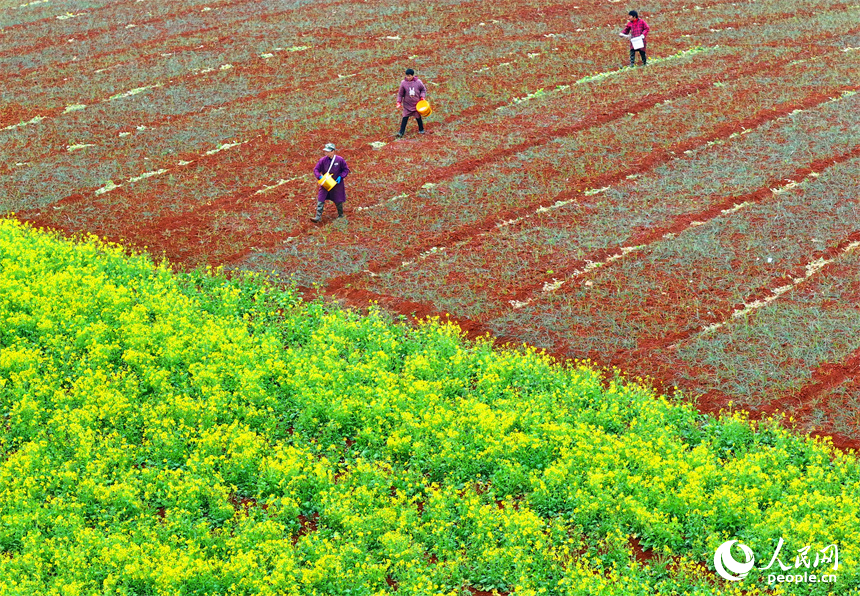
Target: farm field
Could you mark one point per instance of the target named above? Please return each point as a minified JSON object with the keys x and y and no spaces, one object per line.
{"x":558,"y":199}
{"x":694,"y":223}
{"x":188,"y":433}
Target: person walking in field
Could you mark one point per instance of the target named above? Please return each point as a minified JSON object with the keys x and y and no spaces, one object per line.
{"x":335,"y":166}
{"x":636,"y":31}
{"x":411,"y":91}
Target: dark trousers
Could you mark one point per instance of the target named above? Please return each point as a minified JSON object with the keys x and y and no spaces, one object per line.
{"x":403,"y":124}
{"x":633,"y":56}
{"x":321,"y":206}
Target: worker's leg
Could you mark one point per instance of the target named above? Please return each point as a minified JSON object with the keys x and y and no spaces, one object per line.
{"x":318,"y":218}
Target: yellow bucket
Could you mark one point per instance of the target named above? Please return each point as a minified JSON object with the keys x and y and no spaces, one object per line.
{"x":423,"y":108}
{"x":327,"y":182}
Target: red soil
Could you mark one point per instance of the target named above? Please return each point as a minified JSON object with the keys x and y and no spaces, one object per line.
{"x":14,"y":113}
{"x":307,"y":525}
{"x":227,"y":229}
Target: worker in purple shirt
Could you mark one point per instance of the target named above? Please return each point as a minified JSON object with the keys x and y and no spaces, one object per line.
{"x":411,"y":91}
{"x":336,"y":166}
{"x":636,"y":27}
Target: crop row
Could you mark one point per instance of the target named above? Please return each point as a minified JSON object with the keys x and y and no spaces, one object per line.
{"x":105,"y":172}
{"x":682,"y":285}
{"x":190,"y":433}
{"x":767,"y":359}
{"x":206,"y":184}
{"x":267,"y":89}
{"x":84,"y":127}
{"x":546,"y":247}
{"x":181,"y":52}
{"x":437,"y":18}
{"x":261,"y":35}
{"x":178,"y":100}
{"x":405,"y":217}
{"x":477,"y":201}
{"x":41,"y":18}
{"x":31,"y":187}
{"x":136,"y":81}
{"x":46,"y":41}
{"x":320,"y":67}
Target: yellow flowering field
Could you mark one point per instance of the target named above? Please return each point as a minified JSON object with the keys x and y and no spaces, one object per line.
{"x":185,"y":433}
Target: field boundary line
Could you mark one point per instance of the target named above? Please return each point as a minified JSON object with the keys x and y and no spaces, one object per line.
{"x":711,"y":402}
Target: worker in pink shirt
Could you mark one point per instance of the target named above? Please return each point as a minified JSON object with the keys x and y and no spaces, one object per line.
{"x":411,"y":91}
{"x":635,"y":28}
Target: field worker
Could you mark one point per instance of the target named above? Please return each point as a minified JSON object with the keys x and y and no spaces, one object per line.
{"x":411,"y":91}
{"x":336,"y":166}
{"x":636,"y":27}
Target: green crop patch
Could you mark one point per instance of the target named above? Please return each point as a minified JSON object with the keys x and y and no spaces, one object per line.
{"x":188,"y":433}
{"x":198,"y":412}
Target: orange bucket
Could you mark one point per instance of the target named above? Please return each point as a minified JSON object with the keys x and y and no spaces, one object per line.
{"x":327,"y":182}
{"x":423,"y":108}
